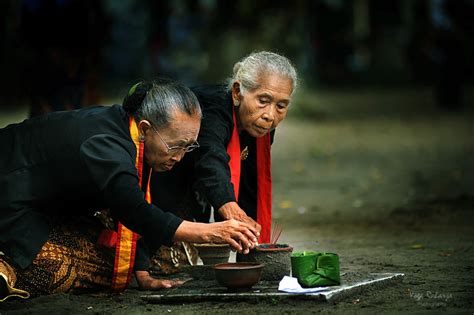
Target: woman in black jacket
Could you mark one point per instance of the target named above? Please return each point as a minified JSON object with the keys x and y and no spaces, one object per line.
{"x":76,"y":163}
{"x":231,"y":171}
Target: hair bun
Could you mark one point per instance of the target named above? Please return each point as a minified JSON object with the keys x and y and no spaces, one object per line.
{"x":135,"y":97}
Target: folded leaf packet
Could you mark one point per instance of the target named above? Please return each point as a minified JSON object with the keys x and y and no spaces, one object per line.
{"x":315,"y":269}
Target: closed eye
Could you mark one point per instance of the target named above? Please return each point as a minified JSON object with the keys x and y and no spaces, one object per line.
{"x":264,"y":101}
{"x":282,"y":106}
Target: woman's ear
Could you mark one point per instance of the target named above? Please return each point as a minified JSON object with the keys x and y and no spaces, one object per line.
{"x":143,"y":127}
{"x":236,"y":93}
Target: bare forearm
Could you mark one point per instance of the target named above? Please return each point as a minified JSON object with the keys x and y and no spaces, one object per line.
{"x":193,"y":232}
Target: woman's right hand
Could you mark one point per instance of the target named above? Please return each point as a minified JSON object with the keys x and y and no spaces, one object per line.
{"x":241,"y":236}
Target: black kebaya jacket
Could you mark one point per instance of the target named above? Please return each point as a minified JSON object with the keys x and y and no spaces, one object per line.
{"x":67,"y":164}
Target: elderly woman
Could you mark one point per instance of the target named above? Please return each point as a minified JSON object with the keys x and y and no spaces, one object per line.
{"x":72,"y":164}
{"x":231,"y":170}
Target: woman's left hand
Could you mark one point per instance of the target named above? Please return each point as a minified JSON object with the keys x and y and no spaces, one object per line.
{"x":147,"y":282}
{"x":232,"y":210}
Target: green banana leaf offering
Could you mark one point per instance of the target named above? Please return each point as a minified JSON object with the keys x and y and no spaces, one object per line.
{"x":315,"y":269}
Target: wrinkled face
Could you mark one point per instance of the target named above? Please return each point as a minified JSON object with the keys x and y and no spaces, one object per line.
{"x":261,"y":110}
{"x":182,"y":131}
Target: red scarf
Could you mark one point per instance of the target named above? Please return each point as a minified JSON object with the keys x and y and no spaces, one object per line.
{"x":125,"y":240}
{"x":264,"y":178}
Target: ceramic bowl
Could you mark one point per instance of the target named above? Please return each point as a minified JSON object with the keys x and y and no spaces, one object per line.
{"x":276,"y":258}
{"x":213,"y":253}
{"x":238,"y":276}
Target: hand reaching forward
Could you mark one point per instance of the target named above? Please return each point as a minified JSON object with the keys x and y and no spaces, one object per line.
{"x":241,"y":236}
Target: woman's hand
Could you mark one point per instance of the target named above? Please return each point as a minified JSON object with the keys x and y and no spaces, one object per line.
{"x":232,"y":210}
{"x":241,"y":236}
{"x":147,"y":282}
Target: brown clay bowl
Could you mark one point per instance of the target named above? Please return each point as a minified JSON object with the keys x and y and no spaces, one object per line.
{"x":238,"y":276}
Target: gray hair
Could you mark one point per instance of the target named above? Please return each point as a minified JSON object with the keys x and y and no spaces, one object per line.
{"x":156,"y":101}
{"x":250,"y":69}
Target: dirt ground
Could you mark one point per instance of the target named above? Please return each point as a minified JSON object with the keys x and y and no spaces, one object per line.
{"x":381,"y":177}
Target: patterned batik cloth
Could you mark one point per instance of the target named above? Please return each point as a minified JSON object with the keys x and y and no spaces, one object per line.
{"x":7,"y":282}
{"x":69,"y":261}
{"x":169,"y":260}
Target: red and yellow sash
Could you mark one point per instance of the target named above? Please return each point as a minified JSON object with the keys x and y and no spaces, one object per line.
{"x":264,"y":178}
{"x":124,"y":239}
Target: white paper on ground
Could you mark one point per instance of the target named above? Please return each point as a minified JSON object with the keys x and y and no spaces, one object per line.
{"x":291,"y":285}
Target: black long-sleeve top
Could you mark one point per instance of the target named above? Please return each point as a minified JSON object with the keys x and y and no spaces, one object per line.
{"x":206,"y":170}
{"x":71,"y":163}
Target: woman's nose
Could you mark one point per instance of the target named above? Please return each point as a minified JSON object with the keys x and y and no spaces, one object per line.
{"x":178,"y":155}
{"x":269,"y":114}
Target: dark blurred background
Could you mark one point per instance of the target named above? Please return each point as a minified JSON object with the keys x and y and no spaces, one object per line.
{"x":64,"y":54}
{"x":374,"y":161}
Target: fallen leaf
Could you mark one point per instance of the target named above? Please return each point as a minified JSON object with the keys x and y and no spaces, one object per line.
{"x":417,"y":246}
{"x":285,"y":204}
